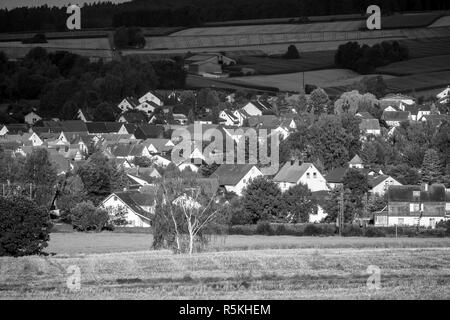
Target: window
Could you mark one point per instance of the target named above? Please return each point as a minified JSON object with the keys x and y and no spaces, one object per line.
{"x":307,"y":175}
{"x":315,"y":175}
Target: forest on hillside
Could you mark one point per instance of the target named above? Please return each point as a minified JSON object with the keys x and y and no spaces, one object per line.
{"x":189,"y":13}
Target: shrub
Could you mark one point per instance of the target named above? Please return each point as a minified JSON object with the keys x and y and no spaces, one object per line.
{"x":373,"y":232}
{"x":24,"y":227}
{"x":444,"y":225}
{"x":264,"y":228}
{"x":86,"y":217}
{"x":433,"y":233}
{"x":245,"y":230}
{"x":312,"y":230}
{"x":291,"y":53}
{"x":352,"y":231}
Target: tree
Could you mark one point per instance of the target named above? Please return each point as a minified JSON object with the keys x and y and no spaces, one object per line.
{"x":369,"y":153}
{"x":215,"y":114}
{"x":261,"y":200}
{"x":353,"y":101}
{"x":356,"y":182}
{"x":24,"y":227}
{"x":183,"y":208}
{"x":292,"y":53}
{"x":432,"y":167}
{"x":298,"y":204}
{"x":404,"y":174}
{"x":86,"y":217}
{"x":39,"y":171}
{"x":319,"y":102}
{"x":70,"y":193}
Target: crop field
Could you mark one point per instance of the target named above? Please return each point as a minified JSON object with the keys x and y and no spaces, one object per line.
{"x":259,"y":274}
{"x":274,"y":28}
{"x":294,"y":81}
{"x":417,"y":66}
{"x":419,"y":81}
{"x":308,"y":61}
{"x":194,"y":81}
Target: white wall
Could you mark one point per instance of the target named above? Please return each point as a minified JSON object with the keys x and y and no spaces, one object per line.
{"x":241,"y":185}
{"x":409,"y":221}
{"x":316,"y":218}
{"x":134,"y":220}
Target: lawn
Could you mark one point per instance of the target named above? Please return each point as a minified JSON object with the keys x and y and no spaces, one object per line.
{"x":261,"y":274}
{"x":417,"y":66}
{"x":110,"y":242}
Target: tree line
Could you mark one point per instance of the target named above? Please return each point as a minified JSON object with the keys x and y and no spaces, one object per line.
{"x":64,"y":82}
{"x":189,"y":13}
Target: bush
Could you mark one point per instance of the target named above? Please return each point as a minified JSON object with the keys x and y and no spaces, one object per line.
{"x":373,"y":232}
{"x":433,"y":233}
{"x":86,"y":217}
{"x":444,"y":225}
{"x":264,"y":228}
{"x":24,"y":227}
{"x":352,"y":231}
{"x":245,"y":230}
{"x":291,"y":53}
{"x":312,"y":230}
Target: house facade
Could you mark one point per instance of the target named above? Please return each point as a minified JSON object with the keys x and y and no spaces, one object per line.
{"x":294,"y":173}
{"x":236,"y":177}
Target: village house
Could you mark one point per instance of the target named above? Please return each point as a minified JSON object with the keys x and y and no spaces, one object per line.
{"x":32,"y":117}
{"x":132,"y":117}
{"x":294,"y":173}
{"x":128,"y":104}
{"x":83,"y":116}
{"x":394,"y":118}
{"x":257,"y":108}
{"x":139,"y":207}
{"x":369,"y":125}
{"x":444,"y":96}
{"x":380,"y":184}
{"x":414,"y":206}
{"x":227,"y":118}
{"x":236,"y":177}
{"x":356,"y":163}
{"x":152,"y":98}
{"x":158,"y":146}
{"x":397,"y":99}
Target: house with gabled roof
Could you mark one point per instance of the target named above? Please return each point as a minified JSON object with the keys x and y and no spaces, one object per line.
{"x":143,"y":176}
{"x":294,"y":173}
{"x":256,"y":108}
{"x":227,"y":118}
{"x":139,"y":207}
{"x":16,"y":128}
{"x":356,"y":163}
{"x":3,"y":130}
{"x":397,"y":99}
{"x":241,"y":115}
{"x":444,"y":96}
{"x":83,"y":116}
{"x":236,"y":177}
{"x":32,"y":117}
{"x":148,"y":107}
{"x":158,"y":146}
{"x":152,"y":96}
{"x":128,"y":104}
{"x":74,"y":126}
{"x":381,"y":183}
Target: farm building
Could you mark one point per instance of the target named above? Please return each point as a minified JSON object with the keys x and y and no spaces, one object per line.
{"x":413,"y":206}
{"x":292,"y":174}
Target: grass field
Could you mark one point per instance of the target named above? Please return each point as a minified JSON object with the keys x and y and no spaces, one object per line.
{"x":260,"y":274}
{"x":417,"y":66}
{"x":293,"y":81}
{"x":420,"y":48}
{"x":411,"y":20}
{"x":441,"y":22}
{"x":107,"y":242}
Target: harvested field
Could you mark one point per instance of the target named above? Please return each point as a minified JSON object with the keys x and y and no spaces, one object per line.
{"x":420,"y":48}
{"x":264,"y":274}
{"x":410,"y":20}
{"x":441,"y":22}
{"x":195,"y":82}
{"x":293,"y":81}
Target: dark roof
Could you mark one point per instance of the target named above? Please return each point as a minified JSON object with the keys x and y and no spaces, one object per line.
{"x":134,"y":117}
{"x":435,"y":193}
{"x":73,"y":126}
{"x":365,"y":115}
{"x":395,"y":116}
{"x":231,"y":174}
{"x":146,"y":131}
{"x":264,"y":120}
{"x":113,"y":127}
{"x":134,"y":200}
{"x":96,"y":127}
{"x":40,"y":130}
{"x":131,"y":127}
{"x":17,"y":128}
{"x":291,"y":172}
{"x":336,"y":175}
{"x":375,"y":181}
{"x":402,"y":193}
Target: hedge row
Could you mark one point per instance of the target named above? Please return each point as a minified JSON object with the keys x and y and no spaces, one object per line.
{"x":326,"y":230}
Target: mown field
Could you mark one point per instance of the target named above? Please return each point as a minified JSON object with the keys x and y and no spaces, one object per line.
{"x":441,"y":22}
{"x":108,"y":242}
{"x":417,"y":66}
{"x":260,"y":274}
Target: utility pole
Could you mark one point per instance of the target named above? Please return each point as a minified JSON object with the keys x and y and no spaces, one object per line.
{"x":341,"y":213}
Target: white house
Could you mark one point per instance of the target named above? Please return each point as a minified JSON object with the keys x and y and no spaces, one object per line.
{"x":138,"y":207}
{"x":356,"y":163}
{"x":256,"y":108}
{"x":188,"y":165}
{"x":320,"y":197}
{"x":36,"y":141}
{"x":241,"y":115}
{"x":380,"y":184}
{"x":292,"y":174}
{"x":444,"y":95}
{"x":147,"y":106}
{"x":160,"y":161}
{"x":236,"y":177}
{"x":228,"y":118}
{"x":151,"y":97}
{"x":127,"y":104}
{"x":3,"y":131}
{"x":32,"y":117}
